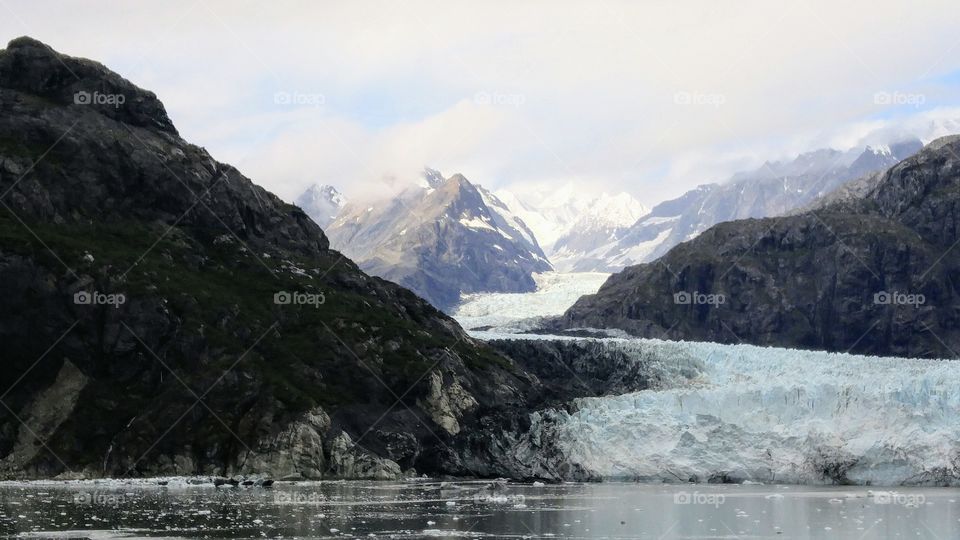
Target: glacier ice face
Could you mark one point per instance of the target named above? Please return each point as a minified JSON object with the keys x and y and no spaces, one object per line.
{"x":738,"y":413}
{"x":522,"y":311}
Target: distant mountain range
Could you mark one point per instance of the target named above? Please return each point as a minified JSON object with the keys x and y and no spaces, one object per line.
{"x":441,"y":237}
{"x":771,"y":190}
{"x":871,"y":268}
{"x":569,"y":225}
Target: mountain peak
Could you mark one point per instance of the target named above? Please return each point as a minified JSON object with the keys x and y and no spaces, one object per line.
{"x":879,"y":150}
{"x":432,"y":177}
{"x":30,"y":66}
{"x":25,"y":42}
{"x":443,"y":241}
{"x":457,"y":179}
{"x":323,"y":191}
{"x":322,"y":202}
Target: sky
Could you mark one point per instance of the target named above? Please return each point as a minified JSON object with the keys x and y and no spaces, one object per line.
{"x":651,"y":98}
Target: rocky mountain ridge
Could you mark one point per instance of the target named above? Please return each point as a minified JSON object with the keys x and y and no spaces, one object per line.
{"x":166,"y":316}
{"x":442,"y":238}
{"x":873,"y":272}
{"x":773,"y":189}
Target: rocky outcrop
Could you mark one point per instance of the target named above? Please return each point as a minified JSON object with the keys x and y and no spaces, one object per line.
{"x":873,"y":273}
{"x":578,"y":368}
{"x":446,"y":403}
{"x":521,"y":443}
{"x":44,"y":414}
{"x":165,"y":315}
{"x":296,"y":452}
{"x":348,"y":460}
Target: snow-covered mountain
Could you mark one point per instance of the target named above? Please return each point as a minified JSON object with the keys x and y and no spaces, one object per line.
{"x":570,"y":225}
{"x":605,"y":220}
{"x":771,"y":190}
{"x":441,"y":237}
{"x":322,"y":203}
{"x":548,"y":215}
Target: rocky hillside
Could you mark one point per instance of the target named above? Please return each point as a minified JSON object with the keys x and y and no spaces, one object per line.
{"x":773,"y":189}
{"x":442,"y":238}
{"x":875,"y":272}
{"x":164,"y":315}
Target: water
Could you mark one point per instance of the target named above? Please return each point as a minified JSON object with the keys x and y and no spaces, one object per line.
{"x":474,"y":510}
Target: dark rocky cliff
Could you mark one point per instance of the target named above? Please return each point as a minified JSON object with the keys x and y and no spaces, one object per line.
{"x":149,"y":323}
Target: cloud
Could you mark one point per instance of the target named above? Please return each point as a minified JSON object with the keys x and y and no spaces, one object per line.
{"x":651,"y":98}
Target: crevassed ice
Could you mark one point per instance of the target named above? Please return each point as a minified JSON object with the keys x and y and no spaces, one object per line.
{"x":741,"y":412}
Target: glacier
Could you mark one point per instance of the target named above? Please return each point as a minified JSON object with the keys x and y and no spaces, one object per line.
{"x":739,"y":413}
{"x":516,"y":312}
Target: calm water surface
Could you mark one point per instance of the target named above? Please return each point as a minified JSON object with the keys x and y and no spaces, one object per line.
{"x":474,"y":510}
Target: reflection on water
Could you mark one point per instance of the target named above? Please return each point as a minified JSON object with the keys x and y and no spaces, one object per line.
{"x":473,"y":510}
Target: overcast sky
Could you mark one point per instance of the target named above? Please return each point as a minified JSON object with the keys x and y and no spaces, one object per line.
{"x":651,"y":98}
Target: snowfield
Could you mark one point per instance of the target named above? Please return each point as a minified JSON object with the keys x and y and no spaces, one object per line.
{"x":512,"y":312}
{"x":743,"y":413}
